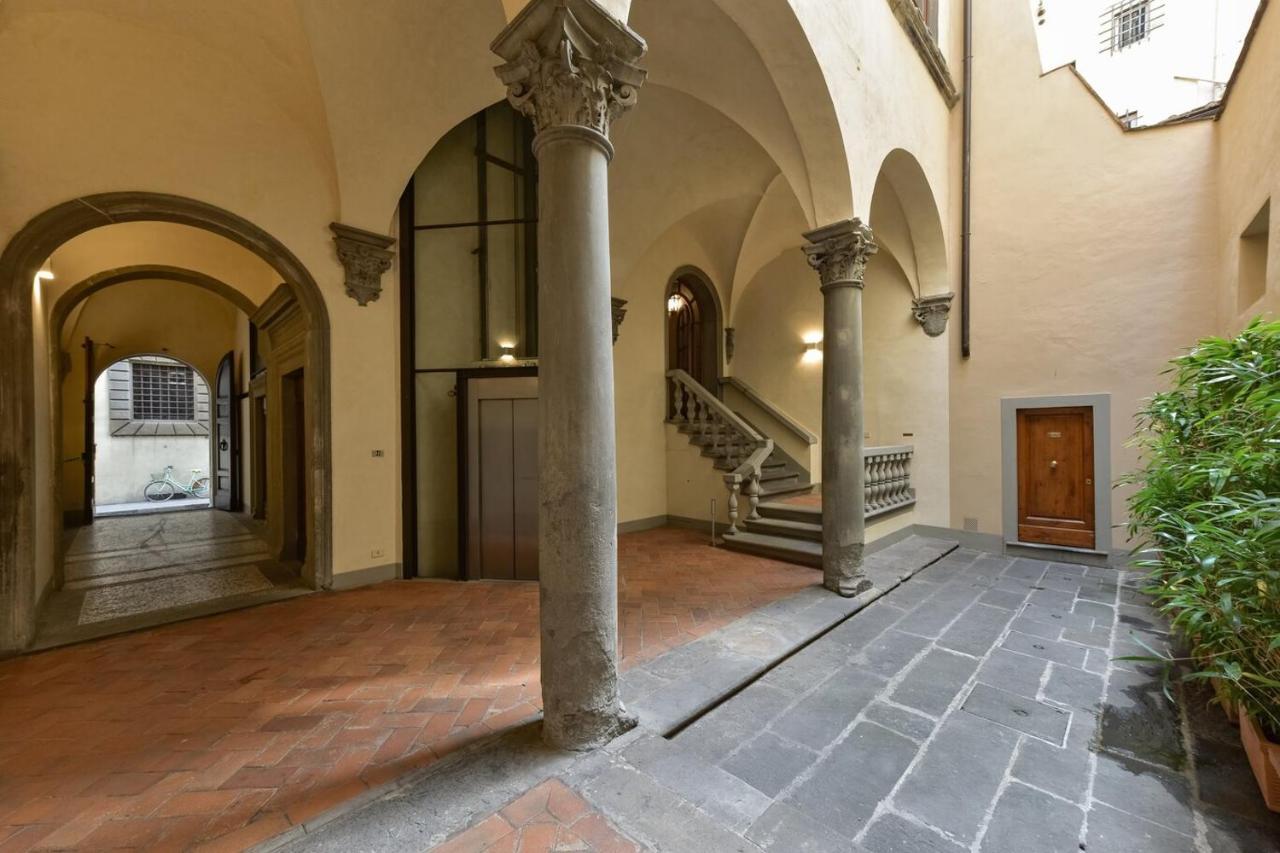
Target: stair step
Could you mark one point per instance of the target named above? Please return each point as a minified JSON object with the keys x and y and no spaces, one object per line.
{"x":776,"y":547}
{"x":786,"y":528}
{"x":790,"y":512}
{"x":774,"y":476}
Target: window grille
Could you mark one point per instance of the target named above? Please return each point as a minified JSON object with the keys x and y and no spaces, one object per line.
{"x":1128,"y":23}
{"x":163,"y":392}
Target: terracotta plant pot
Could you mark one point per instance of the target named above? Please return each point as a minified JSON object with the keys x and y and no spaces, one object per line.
{"x":1264,"y":758}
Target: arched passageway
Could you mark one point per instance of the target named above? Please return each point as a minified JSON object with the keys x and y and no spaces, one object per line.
{"x":30,"y":500}
{"x":694,"y":327}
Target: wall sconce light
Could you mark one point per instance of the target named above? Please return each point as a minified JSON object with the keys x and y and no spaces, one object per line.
{"x":43,"y":275}
{"x":812,"y":348}
{"x":508,"y":352}
{"x":674,"y":303}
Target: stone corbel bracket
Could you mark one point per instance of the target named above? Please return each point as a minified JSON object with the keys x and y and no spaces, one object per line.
{"x":365,"y":256}
{"x":619,"y":314}
{"x":931,"y":312}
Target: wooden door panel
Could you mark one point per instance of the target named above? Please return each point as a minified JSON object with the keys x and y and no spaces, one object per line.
{"x":225,"y":439}
{"x":1055,"y":477}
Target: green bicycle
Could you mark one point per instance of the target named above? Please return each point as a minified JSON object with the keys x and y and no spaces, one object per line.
{"x":163,"y":486}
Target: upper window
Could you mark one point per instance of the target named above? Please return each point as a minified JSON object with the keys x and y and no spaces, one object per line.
{"x":1127,"y":23}
{"x":163,"y":392}
{"x":929,"y":11}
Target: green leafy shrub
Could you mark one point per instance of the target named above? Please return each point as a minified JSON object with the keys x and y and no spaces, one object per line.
{"x":1207,"y":508}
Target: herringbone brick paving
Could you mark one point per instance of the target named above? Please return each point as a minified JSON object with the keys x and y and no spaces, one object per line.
{"x":228,"y":730}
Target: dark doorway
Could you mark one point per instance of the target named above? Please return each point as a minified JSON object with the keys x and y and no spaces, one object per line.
{"x":694,"y":328}
{"x":226,"y":437}
{"x":294,"y":454}
{"x":1055,"y":476}
{"x":258,"y":455}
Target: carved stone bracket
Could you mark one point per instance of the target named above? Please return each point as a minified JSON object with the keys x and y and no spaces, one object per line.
{"x":619,"y":314}
{"x":570,"y":63}
{"x":840,"y":251}
{"x":931,"y":312}
{"x":365,"y":256}
{"x":730,"y":335}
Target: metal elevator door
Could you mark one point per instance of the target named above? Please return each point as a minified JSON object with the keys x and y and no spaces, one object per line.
{"x":503,"y":517}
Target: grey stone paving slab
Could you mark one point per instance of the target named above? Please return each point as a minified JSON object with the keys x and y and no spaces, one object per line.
{"x":1156,"y":794}
{"x":1050,"y":650}
{"x":1228,"y":833}
{"x":720,"y":794}
{"x":1025,"y":569}
{"x":769,"y":764}
{"x":785,"y":829}
{"x":1112,"y":830}
{"x":1061,"y":770}
{"x":934,"y":681}
{"x":819,"y":718}
{"x":976,"y":630}
{"x":931,"y":617}
{"x":724,"y":729}
{"x":1012,"y":671}
{"x":1138,"y":720}
{"x":1003,"y":599}
{"x":861,"y":770}
{"x":855,"y":634}
{"x":948,"y":788}
{"x":657,"y":816}
{"x":892,"y":833}
{"x":1027,"y":820}
{"x":1036,"y":628}
{"x":914,"y":725}
{"x":1073,"y":687}
{"x":1018,"y":713}
{"x":890,"y":652}
{"x":1066,"y":618}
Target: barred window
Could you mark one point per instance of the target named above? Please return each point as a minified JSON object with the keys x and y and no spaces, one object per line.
{"x":1129,"y":22}
{"x":163,"y":392}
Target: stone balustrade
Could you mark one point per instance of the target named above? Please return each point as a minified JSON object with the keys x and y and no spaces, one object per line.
{"x":888,"y":479}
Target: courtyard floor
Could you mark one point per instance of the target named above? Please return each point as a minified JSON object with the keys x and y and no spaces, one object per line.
{"x":233,"y":728}
{"x":979,"y":707}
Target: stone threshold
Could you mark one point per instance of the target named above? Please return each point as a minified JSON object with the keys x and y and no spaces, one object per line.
{"x":425,"y":807}
{"x":673,"y":690}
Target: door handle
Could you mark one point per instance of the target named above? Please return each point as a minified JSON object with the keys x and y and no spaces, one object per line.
{"x":224,"y":445}
{"x":1053,"y":463}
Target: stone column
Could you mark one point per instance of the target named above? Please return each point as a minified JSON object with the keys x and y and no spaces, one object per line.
{"x":571,"y":68}
{"x":839,"y":253}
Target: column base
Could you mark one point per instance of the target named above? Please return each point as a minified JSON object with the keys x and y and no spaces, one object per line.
{"x":582,"y":732}
{"x":849,"y":587}
{"x":842,"y":570}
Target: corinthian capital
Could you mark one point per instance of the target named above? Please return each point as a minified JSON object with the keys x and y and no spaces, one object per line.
{"x":569,"y":62}
{"x":840,"y":251}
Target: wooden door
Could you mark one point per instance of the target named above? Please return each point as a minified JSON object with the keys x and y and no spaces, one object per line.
{"x":225,"y":439}
{"x":1055,"y":477}
{"x":90,"y":446}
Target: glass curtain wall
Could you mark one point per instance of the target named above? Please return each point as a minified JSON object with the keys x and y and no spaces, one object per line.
{"x":472,"y":211}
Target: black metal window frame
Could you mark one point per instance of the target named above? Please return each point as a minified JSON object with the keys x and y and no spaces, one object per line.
{"x":482,"y":223}
{"x":162,"y":392}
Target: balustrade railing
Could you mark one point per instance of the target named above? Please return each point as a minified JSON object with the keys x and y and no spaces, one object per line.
{"x":888,"y":478}
{"x":700,"y":413}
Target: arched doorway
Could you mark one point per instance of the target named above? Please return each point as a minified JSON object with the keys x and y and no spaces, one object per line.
{"x":694,"y":327}
{"x":25,"y":535}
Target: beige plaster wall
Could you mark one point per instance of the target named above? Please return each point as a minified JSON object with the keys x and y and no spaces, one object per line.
{"x":1091,"y":265}
{"x":1247,"y":159}
{"x":296,"y":115}
{"x":180,"y":320}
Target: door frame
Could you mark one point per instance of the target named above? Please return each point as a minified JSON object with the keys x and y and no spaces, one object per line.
{"x":1100,"y":404}
{"x":228,"y":364}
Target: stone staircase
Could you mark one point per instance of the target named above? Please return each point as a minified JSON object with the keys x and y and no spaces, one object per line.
{"x":773,"y":525}
{"x":780,"y":475}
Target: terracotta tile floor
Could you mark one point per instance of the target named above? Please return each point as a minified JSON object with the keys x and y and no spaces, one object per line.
{"x":550,"y":817}
{"x":228,"y":730}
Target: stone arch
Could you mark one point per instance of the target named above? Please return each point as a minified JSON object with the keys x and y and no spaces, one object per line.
{"x":20,"y":261}
{"x":923,"y":254}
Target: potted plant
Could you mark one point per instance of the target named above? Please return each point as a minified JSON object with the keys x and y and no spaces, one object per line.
{"x":1207,"y":508}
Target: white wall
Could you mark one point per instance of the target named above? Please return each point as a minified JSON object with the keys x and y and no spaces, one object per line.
{"x":125,"y":464}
